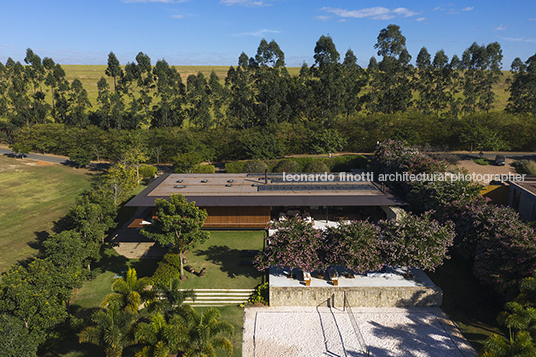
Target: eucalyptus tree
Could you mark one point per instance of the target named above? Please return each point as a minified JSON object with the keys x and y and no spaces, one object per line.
{"x":303,"y":99}
{"x":197,"y":94}
{"x":522,"y":87}
{"x":4,"y":85}
{"x":19,"y":100}
{"x":218,"y":97}
{"x":35,"y":72}
{"x":445,"y":83}
{"x":390,"y":85}
{"x":354,"y":79}
{"x":79,"y":103}
{"x":59,"y":86}
{"x":328,"y":71}
{"x":270,"y":83}
{"x":146,"y":84}
{"x":423,"y":81}
{"x":114,"y":69}
{"x":240,"y":111}
{"x":481,"y":66}
{"x":171,"y":92}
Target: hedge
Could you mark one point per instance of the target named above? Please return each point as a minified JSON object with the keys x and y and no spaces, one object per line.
{"x":204,"y":169}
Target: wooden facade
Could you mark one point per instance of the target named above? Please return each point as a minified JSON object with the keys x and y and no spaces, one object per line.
{"x":237,"y":216}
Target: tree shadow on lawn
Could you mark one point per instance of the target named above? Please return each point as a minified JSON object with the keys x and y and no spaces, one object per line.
{"x":229,"y":260}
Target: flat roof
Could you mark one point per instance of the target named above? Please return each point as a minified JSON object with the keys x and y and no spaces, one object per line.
{"x":529,"y":185}
{"x":224,"y":189}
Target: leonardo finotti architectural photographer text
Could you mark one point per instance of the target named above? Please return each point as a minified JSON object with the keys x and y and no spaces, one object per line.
{"x":399,"y":177}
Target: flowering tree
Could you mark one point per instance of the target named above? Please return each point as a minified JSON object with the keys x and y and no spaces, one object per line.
{"x":295,"y":244}
{"x":394,"y":156}
{"x":355,"y":245}
{"x":416,"y":241}
{"x":502,"y":247}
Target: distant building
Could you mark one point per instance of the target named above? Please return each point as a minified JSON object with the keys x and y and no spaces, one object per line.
{"x":251,"y":200}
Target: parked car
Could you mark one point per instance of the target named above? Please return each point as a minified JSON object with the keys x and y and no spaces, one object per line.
{"x":500,"y":160}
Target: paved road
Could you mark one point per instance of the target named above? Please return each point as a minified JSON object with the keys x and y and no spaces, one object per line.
{"x":55,"y":159}
{"x":39,"y":157}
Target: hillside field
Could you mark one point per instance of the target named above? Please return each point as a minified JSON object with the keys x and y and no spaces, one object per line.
{"x":89,"y":75}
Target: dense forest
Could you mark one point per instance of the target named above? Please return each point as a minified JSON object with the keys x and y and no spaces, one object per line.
{"x":260,"y":111}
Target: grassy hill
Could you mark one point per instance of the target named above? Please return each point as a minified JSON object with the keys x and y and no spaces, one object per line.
{"x":89,"y":75}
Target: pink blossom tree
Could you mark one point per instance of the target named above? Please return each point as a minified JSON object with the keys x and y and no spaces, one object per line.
{"x":295,"y":244}
{"x":416,"y":241}
{"x":355,"y":245}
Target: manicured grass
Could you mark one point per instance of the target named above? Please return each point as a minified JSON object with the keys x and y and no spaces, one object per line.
{"x":32,"y":197}
{"x":483,"y":162}
{"x":473,"y":306}
{"x":235,"y":316}
{"x":221,"y":256}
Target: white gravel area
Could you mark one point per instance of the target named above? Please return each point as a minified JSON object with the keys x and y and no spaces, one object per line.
{"x":324,"y":331}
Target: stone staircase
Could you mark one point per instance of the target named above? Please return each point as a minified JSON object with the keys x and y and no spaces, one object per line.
{"x":219,"y":297}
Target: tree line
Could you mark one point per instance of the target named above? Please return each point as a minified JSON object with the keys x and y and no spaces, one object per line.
{"x":259,"y":92}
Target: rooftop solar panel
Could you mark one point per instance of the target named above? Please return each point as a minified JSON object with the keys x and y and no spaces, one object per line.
{"x":362,"y":187}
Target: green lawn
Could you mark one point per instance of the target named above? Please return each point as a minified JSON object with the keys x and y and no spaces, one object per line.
{"x":220,"y":255}
{"x":483,"y":162}
{"x":32,"y":198}
{"x":473,"y":306}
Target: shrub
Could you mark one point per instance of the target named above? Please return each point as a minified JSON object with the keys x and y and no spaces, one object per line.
{"x":255,"y":167}
{"x":147,"y":171}
{"x":287,"y":166}
{"x":347,"y":163}
{"x":204,"y":169}
{"x":316,"y":166}
{"x":483,"y":162}
{"x":260,"y":296}
{"x":303,"y":161}
{"x":527,"y":167}
{"x":168,"y":268}
{"x":235,"y":167}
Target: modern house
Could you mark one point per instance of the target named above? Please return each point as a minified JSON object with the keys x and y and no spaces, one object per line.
{"x":251,"y":200}
{"x":522,"y":197}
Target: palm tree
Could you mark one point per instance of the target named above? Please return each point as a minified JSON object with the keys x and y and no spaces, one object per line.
{"x":201,"y":334}
{"x":112,"y":330}
{"x":129,"y":292}
{"x":520,"y":346}
{"x":168,"y":298}
{"x":159,"y":336}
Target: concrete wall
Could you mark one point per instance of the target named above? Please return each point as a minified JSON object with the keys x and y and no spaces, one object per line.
{"x":356,"y":296}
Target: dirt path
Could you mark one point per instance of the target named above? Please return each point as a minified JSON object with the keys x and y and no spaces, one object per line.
{"x":488,"y":171}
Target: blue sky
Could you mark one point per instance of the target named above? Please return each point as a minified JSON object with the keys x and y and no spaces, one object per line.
{"x":215,"y":32}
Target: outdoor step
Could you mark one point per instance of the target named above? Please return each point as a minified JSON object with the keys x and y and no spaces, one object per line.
{"x":225,"y":290}
{"x":226,"y":294}
{"x":204,"y":303}
{"x":219,"y":297}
